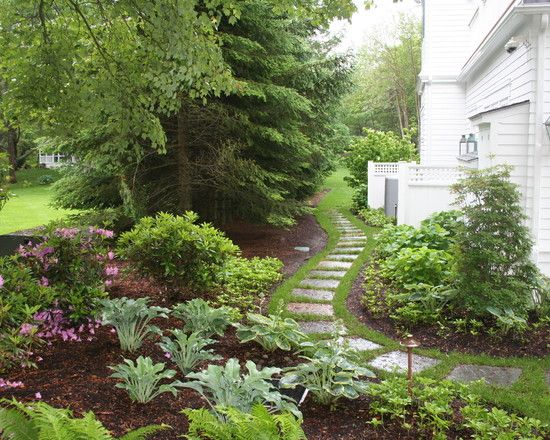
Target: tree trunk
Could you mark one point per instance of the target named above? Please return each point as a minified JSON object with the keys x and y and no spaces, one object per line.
{"x":182,"y":158}
{"x":399,"y":116}
{"x":12,"y":139}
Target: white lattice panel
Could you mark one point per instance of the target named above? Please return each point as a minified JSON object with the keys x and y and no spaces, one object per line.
{"x":429,"y":174}
{"x":386,"y":168}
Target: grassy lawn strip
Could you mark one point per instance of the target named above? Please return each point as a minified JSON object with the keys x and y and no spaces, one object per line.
{"x":528,"y":396}
{"x":29,"y":205}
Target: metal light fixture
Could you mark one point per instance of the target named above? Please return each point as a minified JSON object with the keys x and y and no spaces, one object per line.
{"x":547,"y":126}
{"x":471,"y":145}
{"x":462,"y":144}
{"x":409,"y":343}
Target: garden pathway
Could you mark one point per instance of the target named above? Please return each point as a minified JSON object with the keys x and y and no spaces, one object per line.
{"x":312,"y":302}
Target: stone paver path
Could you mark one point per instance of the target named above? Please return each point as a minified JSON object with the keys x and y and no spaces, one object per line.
{"x":320,"y":285}
{"x":500,"y":376}
{"x":397,"y":361}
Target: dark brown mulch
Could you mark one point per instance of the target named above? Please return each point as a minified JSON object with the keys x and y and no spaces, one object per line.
{"x":534,"y":342}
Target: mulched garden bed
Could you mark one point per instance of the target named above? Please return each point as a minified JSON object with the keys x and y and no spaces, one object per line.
{"x":534,"y":342}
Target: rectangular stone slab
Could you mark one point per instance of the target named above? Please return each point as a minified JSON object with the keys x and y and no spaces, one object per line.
{"x":349,"y":250}
{"x":323,"y":284}
{"x":342,"y":257}
{"x":361,"y":344}
{"x":334,"y":265}
{"x":328,"y":274}
{"x":397,"y":361}
{"x":318,"y":294}
{"x":500,"y":376}
{"x":311,"y":309}
{"x":310,"y":327}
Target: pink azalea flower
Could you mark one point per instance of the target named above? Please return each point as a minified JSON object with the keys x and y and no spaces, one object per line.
{"x":167,"y":355}
{"x":1,"y":281}
{"x":108,"y":282}
{"x":44,"y":281}
{"x":37,"y":395}
{"x":111,"y":270}
{"x":111,"y":255}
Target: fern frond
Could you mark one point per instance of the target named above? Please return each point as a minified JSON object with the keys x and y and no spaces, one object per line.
{"x":143,"y":433}
{"x":14,"y":425}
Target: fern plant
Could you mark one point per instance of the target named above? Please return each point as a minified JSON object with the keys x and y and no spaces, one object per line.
{"x":199,"y":316}
{"x":142,"y":379}
{"x":271,"y":332}
{"x":239,"y":425}
{"x":38,"y":421}
{"x":186,"y":351}
{"x":131,"y":319}
{"x":224,"y":385}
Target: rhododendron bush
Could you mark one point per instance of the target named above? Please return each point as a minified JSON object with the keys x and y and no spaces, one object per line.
{"x":48,"y":290}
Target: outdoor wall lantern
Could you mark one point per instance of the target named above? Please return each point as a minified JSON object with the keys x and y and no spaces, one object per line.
{"x":471,"y":146}
{"x":462,"y":144}
{"x":547,"y":126}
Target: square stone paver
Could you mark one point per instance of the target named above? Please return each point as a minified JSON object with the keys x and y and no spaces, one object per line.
{"x":318,"y":294}
{"x":323,"y":284}
{"x":328,"y":273}
{"x":350,"y":250}
{"x":311,"y":309}
{"x":334,"y":265}
{"x":317,"y":326}
{"x":397,"y":361}
{"x":361,"y":344}
{"x":500,"y":376}
{"x":346,"y":238}
{"x":342,"y":257}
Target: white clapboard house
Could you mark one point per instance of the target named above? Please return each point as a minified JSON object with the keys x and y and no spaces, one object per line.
{"x":485,"y":100}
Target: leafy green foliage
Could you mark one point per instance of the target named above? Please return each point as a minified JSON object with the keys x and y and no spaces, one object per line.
{"x":225,"y":386}
{"x":4,"y":176}
{"x":377,"y":146}
{"x":131,"y":319}
{"x":239,"y":425}
{"x":198,"y":316}
{"x":177,"y":250}
{"x":431,"y":410}
{"x":187,"y":351}
{"x":38,"y":420}
{"x":271,"y":332}
{"x":329,"y":373}
{"x":142,"y":379}
{"x":244,"y":281}
{"x":493,"y":245}
{"x":375,"y":217}
{"x":418,"y":265}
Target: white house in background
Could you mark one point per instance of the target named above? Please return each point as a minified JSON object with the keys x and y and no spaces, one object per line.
{"x":485,"y":77}
{"x":53,"y":160}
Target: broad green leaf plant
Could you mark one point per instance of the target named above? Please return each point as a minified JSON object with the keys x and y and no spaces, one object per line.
{"x":198,"y":316}
{"x":225,"y":385}
{"x":187,"y":351}
{"x":142,"y":379}
{"x":131,"y":319}
{"x":271,"y":332}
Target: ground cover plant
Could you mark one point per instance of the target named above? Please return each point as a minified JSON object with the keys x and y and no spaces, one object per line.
{"x":198,"y":316}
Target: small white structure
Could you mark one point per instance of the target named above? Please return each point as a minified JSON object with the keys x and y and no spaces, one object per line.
{"x":53,"y":160}
{"x":485,"y":78}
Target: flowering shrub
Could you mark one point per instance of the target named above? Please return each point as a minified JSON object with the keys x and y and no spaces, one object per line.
{"x":77,"y":263}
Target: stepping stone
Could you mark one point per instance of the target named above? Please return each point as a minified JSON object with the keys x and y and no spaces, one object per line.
{"x":349,"y":250}
{"x":311,"y":309}
{"x":334,"y":265}
{"x":328,"y":273}
{"x":361,"y":344}
{"x":317,"y":294}
{"x":342,"y":257}
{"x":397,"y":361}
{"x":353,"y":238}
{"x":309,"y":327}
{"x":500,"y":376}
{"x":323,"y":284}
{"x":301,"y":248}
{"x":548,"y":377}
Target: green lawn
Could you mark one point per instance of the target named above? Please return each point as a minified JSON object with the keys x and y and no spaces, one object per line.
{"x":529,"y":395}
{"x":29,"y":205}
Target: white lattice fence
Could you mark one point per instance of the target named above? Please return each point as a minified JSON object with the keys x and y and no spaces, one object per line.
{"x":421,"y":174}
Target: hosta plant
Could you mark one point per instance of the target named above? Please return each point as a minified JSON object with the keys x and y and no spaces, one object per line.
{"x":142,"y":379}
{"x":259,"y":423}
{"x":271,"y":332}
{"x":225,"y":385}
{"x":329,"y":373}
{"x":131,"y":319}
{"x":186,"y":351}
{"x":199,"y":316}
{"x":40,"y":421}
